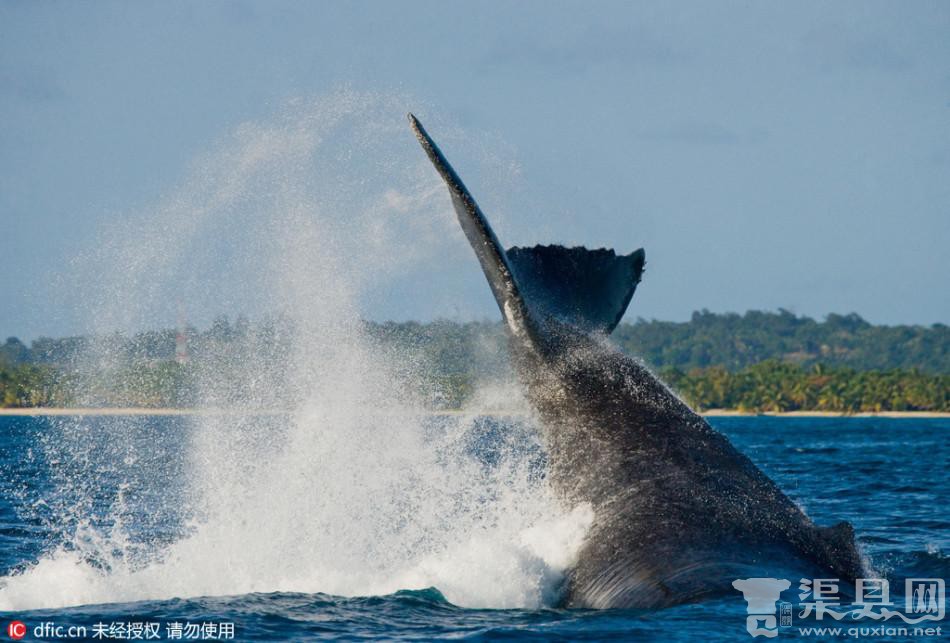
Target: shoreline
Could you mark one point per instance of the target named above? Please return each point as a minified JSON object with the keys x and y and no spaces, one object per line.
{"x":827,"y":414}
{"x":122,"y":411}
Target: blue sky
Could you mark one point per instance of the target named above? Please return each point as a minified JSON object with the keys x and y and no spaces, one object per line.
{"x":766,"y":155}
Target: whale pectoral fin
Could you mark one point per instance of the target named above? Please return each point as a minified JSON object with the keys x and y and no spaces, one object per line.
{"x":491,"y":254}
{"x":587,"y":289}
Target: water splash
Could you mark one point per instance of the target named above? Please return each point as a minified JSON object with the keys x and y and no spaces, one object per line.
{"x":357,"y":491}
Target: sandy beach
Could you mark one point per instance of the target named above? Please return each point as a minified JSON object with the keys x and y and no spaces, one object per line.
{"x":49,"y":411}
{"x":830,"y":414}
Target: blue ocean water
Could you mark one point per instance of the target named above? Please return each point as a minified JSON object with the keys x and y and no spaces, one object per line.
{"x":61,"y":485}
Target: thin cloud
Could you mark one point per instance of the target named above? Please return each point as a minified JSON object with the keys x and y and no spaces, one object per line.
{"x":30,"y":85}
{"x":835,"y":47}
{"x":875,"y":53}
{"x":591,"y":48}
{"x":702,"y":133}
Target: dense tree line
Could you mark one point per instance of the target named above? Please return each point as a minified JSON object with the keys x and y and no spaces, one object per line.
{"x":771,"y":386}
{"x":735,"y":341}
{"x":729,"y":340}
{"x":774,"y":386}
{"x":757,"y":361}
{"x":26,"y":385}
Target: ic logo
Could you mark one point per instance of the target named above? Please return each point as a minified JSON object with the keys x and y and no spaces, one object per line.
{"x":16,"y":630}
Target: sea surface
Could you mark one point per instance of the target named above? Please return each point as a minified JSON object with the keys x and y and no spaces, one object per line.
{"x":81,"y":520}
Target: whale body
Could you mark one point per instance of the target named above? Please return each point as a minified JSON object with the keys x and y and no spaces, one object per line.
{"x":679,"y":513}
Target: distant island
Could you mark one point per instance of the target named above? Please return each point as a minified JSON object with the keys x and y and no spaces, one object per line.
{"x":757,"y":362}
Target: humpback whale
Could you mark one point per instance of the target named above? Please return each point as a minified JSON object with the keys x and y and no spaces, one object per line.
{"x":679,"y":513}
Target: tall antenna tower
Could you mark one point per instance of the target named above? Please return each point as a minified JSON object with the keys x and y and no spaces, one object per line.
{"x":181,"y":338}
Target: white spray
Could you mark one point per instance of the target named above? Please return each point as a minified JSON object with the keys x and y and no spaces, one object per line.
{"x":356,"y":492}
